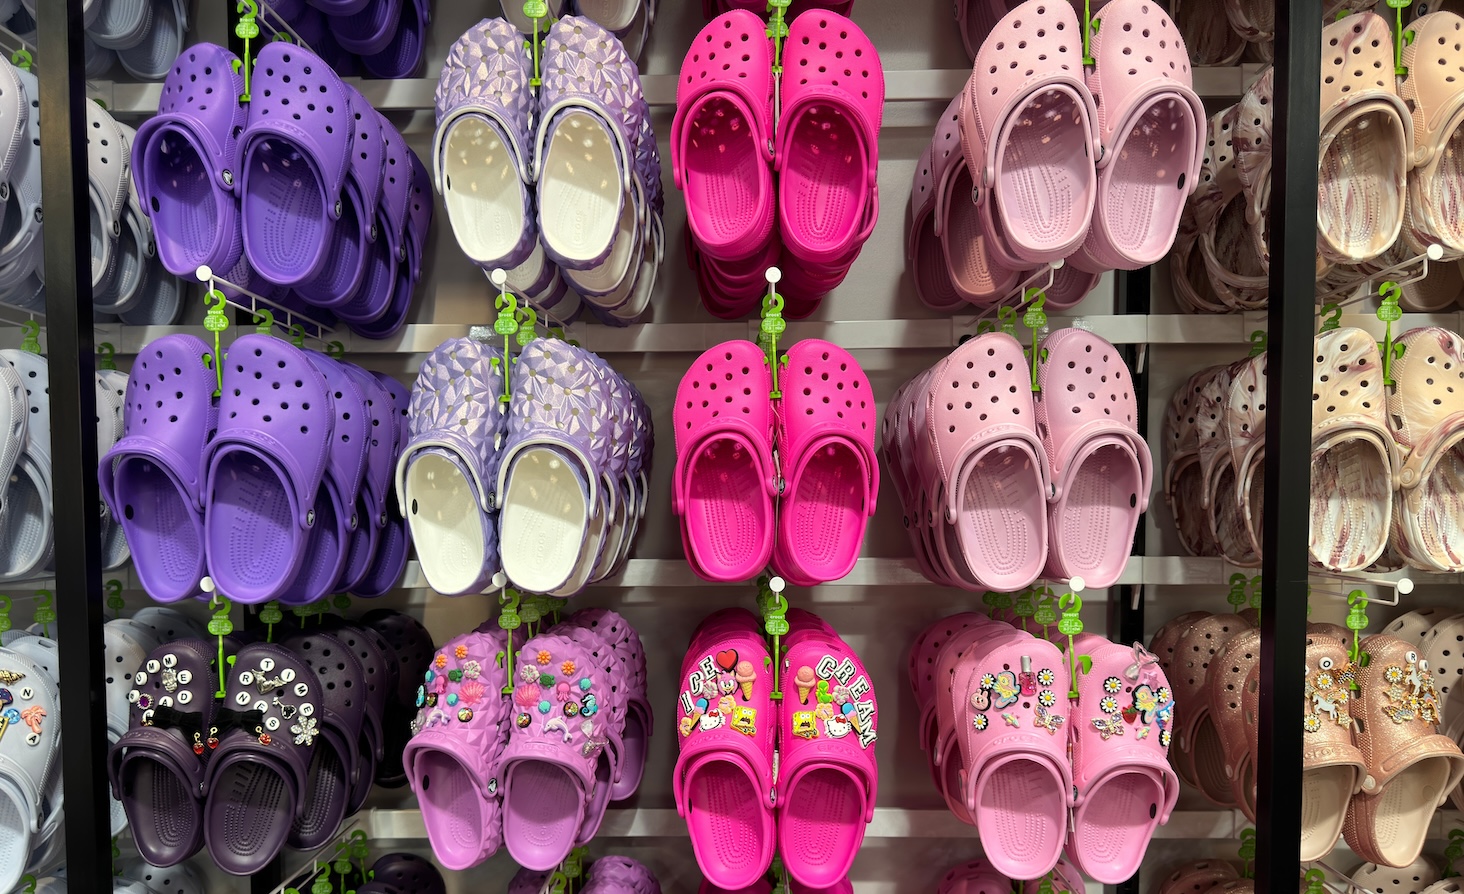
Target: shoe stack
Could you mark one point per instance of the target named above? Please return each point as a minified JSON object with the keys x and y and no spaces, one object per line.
{"x":607,"y":875}
{"x":1008,"y":750}
{"x":980,"y":877}
{"x":145,"y":36}
{"x":630,"y":21}
{"x":1003,"y":483}
{"x":777,"y":169}
{"x":403,"y":873}
{"x":539,"y":785}
{"x":536,"y":467}
{"x":1206,"y":877}
{"x":298,"y":451}
{"x":821,"y":737}
{"x":370,"y":38}
{"x":32,"y":828}
{"x":1054,"y":183}
{"x":330,"y":214}
{"x":559,"y":187}
{"x":783,"y":474}
{"x":302,"y":733}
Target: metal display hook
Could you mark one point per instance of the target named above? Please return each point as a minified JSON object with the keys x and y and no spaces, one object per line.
{"x":1023,"y":292}
{"x":282,"y":316}
{"x":1434,"y":254}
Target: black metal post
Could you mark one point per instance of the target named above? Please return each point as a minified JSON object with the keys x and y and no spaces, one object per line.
{"x":72,"y":360}
{"x":1292,"y":325}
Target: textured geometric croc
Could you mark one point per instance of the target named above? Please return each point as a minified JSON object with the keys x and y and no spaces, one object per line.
{"x":993,"y":470}
{"x":293,"y":162}
{"x":828,"y":772}
{"x":480,"y":148}
{"x":26,"y":536}
{"x":551,"y":469}
{"x":369,"y":32}
{"x":826,"y":445}
{"x":1353,"y":453}
{"x":258,"y":777}
{"x":108,"y":168}
{"x":265,"y":464}
{"x":151,"y":58}
{"x":1120,"y":734}
{"x":1333,"y":768}
{"x":1099,"y":464}
{"x":452,"y":759}
{"x":1030,"y":136}
{"x":1427,"y":423}
{"x":350,"y":242}
{"x":1430,"y":89}
{"x":394,"y":539}
{"x":1225,"y":691}
{"x":402,"y":56}
{"x":727,"y":727}
{"x":1017,"y":775}
{"x":583,"y":146}
{"x":446,"y":467}
{"x":725,"y":479}
{"x":1410,"y":767}
{"x":333,"y":765}
{"x":1243,"y":427}
{"x":970,"y":266}
{"x":1201,"y":759}
{"x":722,"y":137}
{"x":1150,"y":127}
{"x":828,"y":138}
{"x":1366,"y":142}
{"x":1184,"y":483}
{"x":157,"y":767}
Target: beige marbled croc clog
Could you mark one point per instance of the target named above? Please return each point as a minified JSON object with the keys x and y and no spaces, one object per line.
{"x":1435,"y":63}
{"x":1183,"y":477}
{"x":1426,"y":419}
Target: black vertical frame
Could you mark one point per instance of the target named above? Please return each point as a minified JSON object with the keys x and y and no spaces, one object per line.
{"x":1291,"y":318}
{"x":72,"y":362}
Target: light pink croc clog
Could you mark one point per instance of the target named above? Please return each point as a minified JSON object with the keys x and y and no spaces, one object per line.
{"x":827,"y":154}
{"x":975,"y":271}
{"x":1122,"y":724}
{"x":724,"y":482}
{"x":924,"y":255}
{"x":1151,"y":126}
{"x":721,"y":137}
{"x":894,"y":440}
{"x":992,"y":469}
{"x":826,"y":449}
{"x":1099,"y":464}
{"x":1029,"y":135}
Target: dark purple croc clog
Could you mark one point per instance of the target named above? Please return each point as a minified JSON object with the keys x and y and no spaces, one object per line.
{"x":157,"y":767}
{"x":340,"y":7}
{"x":458,"y":738}
{"x":265,"y":466}
{"x":402,"y":57}
{"x":412,"y":645}
{"x":394,"y":541}
{"x":294,"y":154}
{"x":408,"y":873}
{"x":335,"y":501}
{"x":379,"y":671}
{"x":334,"y":762}
{"x":346,"y":261}
{"x":371,"y":30}
{"x":380,"y":456}
{"x":371,"y":301}
{"x":153,"y":478}
{"x":185,"y":161}
{"x":258,"y":777}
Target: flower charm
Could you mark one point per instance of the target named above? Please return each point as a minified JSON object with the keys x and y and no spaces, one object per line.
{"x":1046,"y":677}
{"x":543,"y":658}
{"x":473,"y":670}
{"x":1046,"y":699}
{"x":980,"y":722}
{"x":461,"y":652}
{"x":440,"y":661}
{"x":1323,"y":680}
{"x":1164,"y":738}
{"x":305,"y":731}
{"x":1312,"y":723}
{"x":1112,"y":685}
{"x":567,"y":668}
{"x":529,"y":674}
{"x":1393,"y":674}
{"x":1109,"y":705}
{"x":987,"y":681}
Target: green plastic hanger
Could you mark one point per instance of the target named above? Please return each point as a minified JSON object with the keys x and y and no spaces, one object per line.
{"x":5,"y":623}
{"x":1071,"y":625}
{"x":1402,"y":37}
{"x":772,"y":326}
{"x":1034,"y":319}
{"x":507,"y":324}
{"x":22,"y":59}
{"x":297,"y":335}
{"x":509,"y":620}
{"x":107,"y":354}
{"x":247,"y":30}
{"x":1258,"y":343}
{"x":537,"y":10}
{"x":1236,"y":596}
{"x":115,"y":602}
{"x":1357,"y":622}
{"x":45,"y":612}
{"x":264,"y":317}
{"x":1331,"y":316}
{"x":31,"y":341}
{"x":1390,"y":313}
{"x":1247,"y":853}
{"x":216,"y":321}
{"x":271,"y":615}
{"x":778,"y":30}
{"x":776,"y":627}
{"x":219,"y":626}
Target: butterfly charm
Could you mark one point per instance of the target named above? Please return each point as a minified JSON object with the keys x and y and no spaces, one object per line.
{"x":1006,"y":689}
{"x":1047,"y":720}
{"x":1108,"y":726}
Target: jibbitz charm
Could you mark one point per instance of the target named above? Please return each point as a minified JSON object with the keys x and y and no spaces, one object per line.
{"x":465,"y":715}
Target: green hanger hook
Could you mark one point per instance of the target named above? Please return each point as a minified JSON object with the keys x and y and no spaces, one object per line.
{"x":45,"y":612}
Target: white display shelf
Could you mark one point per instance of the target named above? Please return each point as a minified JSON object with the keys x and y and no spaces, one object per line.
{"x":416,"y":94}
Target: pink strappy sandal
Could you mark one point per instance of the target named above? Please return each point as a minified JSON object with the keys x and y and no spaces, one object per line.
{"x":1099,"y":464}
{"x":827,"y":155}
{"x":721,"y":137}
{"x":1029,"y":135}
{"x":992,"y":467}
{"x":826,"y":447}
{"x":725,"y":477}
{"x":1150,"y":126}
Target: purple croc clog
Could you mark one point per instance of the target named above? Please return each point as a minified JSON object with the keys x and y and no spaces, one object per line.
{"x":376,"y":479}
{"x":410,"y":642}
{"x":394,"y":539}
{"x":377,"y":307}
{"x":333,"y":762}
